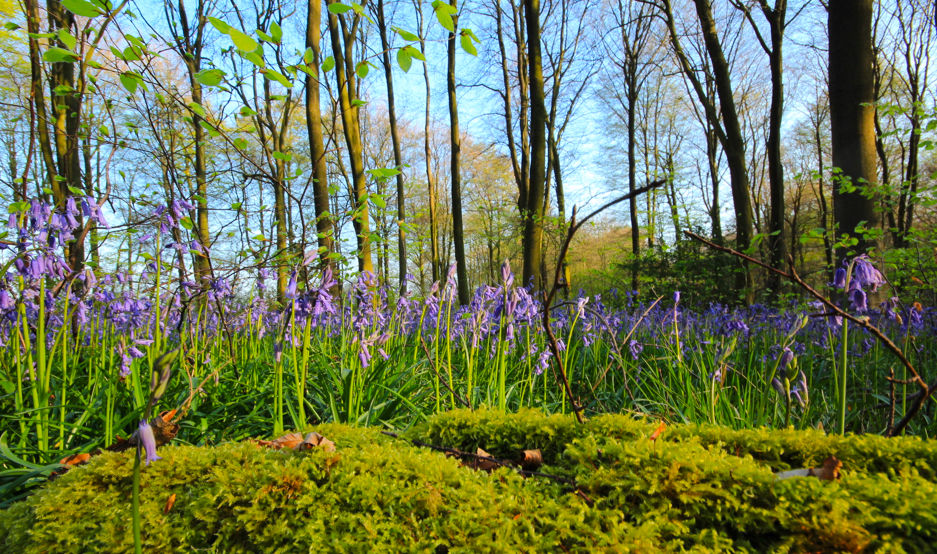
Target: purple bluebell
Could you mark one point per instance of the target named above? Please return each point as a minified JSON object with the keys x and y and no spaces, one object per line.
{"x":866,"y":274}
{"x":839,"y":278}
{"x":145,"y":434}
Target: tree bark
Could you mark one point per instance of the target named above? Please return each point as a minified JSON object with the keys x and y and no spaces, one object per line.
{"x":342,"y":48}
{"x":852,"y":118}
{"x":395,"y":140}
{"x":325,"y":231}
{"x":533,"y":210}
{"x":455,"y":178}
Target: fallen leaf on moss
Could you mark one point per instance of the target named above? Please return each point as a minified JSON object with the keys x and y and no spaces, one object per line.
{"x":530,"y":459}
{"x":828,"y":472}
{"x":170,"y":502}
{"x":295,"y":441}
{"x":481,"y":460}
{"x":657,"y":432}
{"x":75,"y":459}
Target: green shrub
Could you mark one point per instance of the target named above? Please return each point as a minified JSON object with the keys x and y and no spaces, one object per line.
{"x":694,"y":488}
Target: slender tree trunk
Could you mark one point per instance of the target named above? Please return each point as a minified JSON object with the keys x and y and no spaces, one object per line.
{"x":395,"y":140}
{"x":533,"y":214}
{"x":325,"y":231}
{"x":432,"y":195}
{"x":342,"y":49}
{"x":67,"y":108}
{"x":455,"y":178}
{"x":189,"y":47}
{"x":734,"y":144}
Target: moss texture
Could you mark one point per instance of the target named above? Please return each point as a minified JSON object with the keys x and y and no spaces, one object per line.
{"x":695,"y":488}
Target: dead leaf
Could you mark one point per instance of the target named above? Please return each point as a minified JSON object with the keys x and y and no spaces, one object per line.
{"x":481,"y":460}
{"x":75,"y":459}
{"x":531,"y":459}
{"x":313,"y":440}
{"x":828,"y":472}
{"x":170,"y":502}
{"x":657,"y":432}
{"x":295,"y":441}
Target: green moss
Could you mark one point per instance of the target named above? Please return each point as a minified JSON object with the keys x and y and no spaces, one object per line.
{"x":695,"y":488}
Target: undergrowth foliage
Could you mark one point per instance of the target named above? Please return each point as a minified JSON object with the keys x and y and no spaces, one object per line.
{"x":78,"y":352}
{"x":696,"y":487}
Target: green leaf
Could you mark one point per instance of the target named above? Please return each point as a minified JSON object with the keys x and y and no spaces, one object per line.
{"x":240,"y":144}
{"x":247,"y":112}
{"x":282,"y":156}
{"x":67,"y":39}
{"x":54,"y":55}
{"x":444,"y":13}
{"x":242,"y":41}
{"x":276,"y":32}
{"x":197,"y":108}
{"x":278,"y":77}
{"x":187,"y":223}
{"x":404,"y":60}
{"x":405,"y":35}
{"x":264,"y":36}
{"x":414,"y":53}
{"x":76,"y":191}
{"x":236,"y":206}
{"x":338,"y":8}
{"x":10,"y":26}
{"x":220,"y":25}
{"x":328,"y":64}
{"x":383,"y":172}
{"x":81,"y":7}
{"x":253,"y":57}
{"x":131,"y":53}
{"x":362,"y":69}
{"x":129,"y":81}
{"x":210,"y":77}
{"x":212,"y":132}
{"x":467,"y":45}
{"x":358,"y":102}
{"x":378,"y":201}
{"x":308,"y":56}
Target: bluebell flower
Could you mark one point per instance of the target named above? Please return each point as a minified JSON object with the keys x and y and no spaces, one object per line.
{"x":145,"y":433}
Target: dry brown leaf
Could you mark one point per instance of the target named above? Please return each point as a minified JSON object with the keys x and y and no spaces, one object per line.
{"x":828,"y":472}
{"x":480,"y":461}
{"x":170,"y":502}
{"x":531,"y":459}
{"x":657,"y":432}
{"x":75,"y":459}
{"x":313,"y":440}
{"x":295,"y":441}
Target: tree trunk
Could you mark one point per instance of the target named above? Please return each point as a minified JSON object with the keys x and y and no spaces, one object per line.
{"x":455,"y":178}
{"x":533,"y":211}
{"x":325,"y":231}
{"x":852,"y":118}
{"x":398,"y":161}
{"x":342,"y":49}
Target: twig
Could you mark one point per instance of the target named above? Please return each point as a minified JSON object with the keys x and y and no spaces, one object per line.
{"x":548,"y":297}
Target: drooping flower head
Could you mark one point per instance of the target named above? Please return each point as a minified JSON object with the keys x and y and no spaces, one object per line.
{"x":145,"y":433}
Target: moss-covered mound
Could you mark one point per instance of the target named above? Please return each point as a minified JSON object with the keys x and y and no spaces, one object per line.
{"x":693,"y":488}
